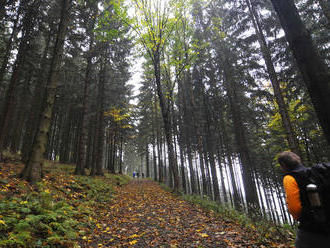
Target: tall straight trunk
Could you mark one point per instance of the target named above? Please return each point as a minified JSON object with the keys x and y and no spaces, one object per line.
{"x":228,"y":152}
{"x":100,"y":126}
{"x":121,"y":157}
{"x":210,"y":145}
{"x":33,"y":168}
{"x":89,"y":144}
{"x":95,"y":145}
{"x":147,"y":161}
{"x":186,"y":95}
{"x":16,"y":135}
{"x":208,"y":190}
{"x":193,"y":181}
{"x":3,"y":4}
{"x":154,"y":141}
{"x":160,"y":161}
{"x":283,"y":108}
{"x":9,"y":46}
{"x":9,"y":102}
{"x":36,"y":105}
{"x":222,"y":177}
{"x":111,"y":165}
{"x":315,"y":73}
{"x":51,"y":136}
{"x":240,"y":137}
{"x":79,"y":170}
{"x":154,"y":158}
{"x":183,"y":173}
{"x":201,"y":164}
{"x":167,"y":124}
{"x":81,"y":159}
{"x":198,"y":177}
{"x":65,"y":135}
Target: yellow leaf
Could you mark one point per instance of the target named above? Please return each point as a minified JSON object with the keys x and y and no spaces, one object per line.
{"x":47,"y":191}
{"x":203,"y":235}
{"x":133,"y":242}
{"x":133,"y":236}
{"x":2,"y":222}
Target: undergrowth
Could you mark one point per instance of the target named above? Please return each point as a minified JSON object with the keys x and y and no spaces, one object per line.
{"x":56,"y":211}
{"x":265,"y":230}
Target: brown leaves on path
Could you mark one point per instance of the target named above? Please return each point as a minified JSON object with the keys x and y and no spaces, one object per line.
{"x":144,"y":215}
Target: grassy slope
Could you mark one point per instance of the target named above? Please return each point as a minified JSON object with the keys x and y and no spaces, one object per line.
{"x":54,"y":213}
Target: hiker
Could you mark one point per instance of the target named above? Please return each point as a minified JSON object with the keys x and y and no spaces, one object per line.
{"x":309,"y":234}
{"x":133,"y":174}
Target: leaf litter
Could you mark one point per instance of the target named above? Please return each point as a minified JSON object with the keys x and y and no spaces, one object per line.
{"x":144,"y":215}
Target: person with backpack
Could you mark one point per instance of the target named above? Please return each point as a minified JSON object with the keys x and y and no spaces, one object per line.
{"x":307,"y":197}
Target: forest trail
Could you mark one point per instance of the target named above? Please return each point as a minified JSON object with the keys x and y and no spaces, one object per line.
{"x":144,"y":215}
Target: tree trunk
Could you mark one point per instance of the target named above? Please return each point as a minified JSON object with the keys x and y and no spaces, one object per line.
{"x":33,"y":168}
{"x":36,"y":105}
{"x":183,"y":174}
{"x":283,"y":109}
{"x":9,"y":46}
{"x":79,"y":170}
{"x":101,"y":126}
{"x":121,"y":157}
{"x":9,"y":103}
{"x":240,"y":137}
{"x":315,"y":73}
{"x":154,"y":158}
{"x":16,"y":135}
{"x":80,"y":167}
{"x":160,"y":161}
{"x":111,"y":165}
{"x":167,"y":125}
{"x":147,"y":160}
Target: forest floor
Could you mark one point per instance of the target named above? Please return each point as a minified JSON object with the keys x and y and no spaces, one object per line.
{"x":145,"y":215}
{"x":64,"y":210}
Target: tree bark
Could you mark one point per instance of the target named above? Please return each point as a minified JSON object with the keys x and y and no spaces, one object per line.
{"x":33,"y":168}
{"x":36,"y":105}
{"x":240,"y":137}
{"x":101,"y":126}
{"x":283,"y":109}
{"x":9,"y":46}
{"x":9,"y":103}
{"x":167,"y":124}
{"x":315,"y":73}
{"x":210,"y":143}
{"x":147,"y":161}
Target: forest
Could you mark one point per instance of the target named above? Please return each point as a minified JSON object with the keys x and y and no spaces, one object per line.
{"x":199,"y":96}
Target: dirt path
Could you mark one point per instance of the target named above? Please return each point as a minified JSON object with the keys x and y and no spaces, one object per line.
{"x":144,"y":215}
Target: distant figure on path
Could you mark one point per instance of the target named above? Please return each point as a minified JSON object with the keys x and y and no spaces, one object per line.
{"x":137,"y":174}
{"x":297,"y":187}
{"x":133,"y":174}
{"x":142,"y":175}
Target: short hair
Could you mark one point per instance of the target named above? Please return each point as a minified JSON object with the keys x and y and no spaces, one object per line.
{"x":289,"y":159}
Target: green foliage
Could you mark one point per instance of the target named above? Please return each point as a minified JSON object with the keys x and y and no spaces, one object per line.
{"x":113,"y":22}
{"x":59,"y":210}
{"x":37,"y":220}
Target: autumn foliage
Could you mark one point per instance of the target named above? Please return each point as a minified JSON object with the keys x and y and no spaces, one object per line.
{"x":79,"y":211}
